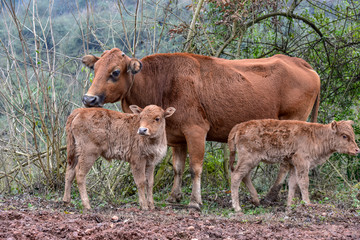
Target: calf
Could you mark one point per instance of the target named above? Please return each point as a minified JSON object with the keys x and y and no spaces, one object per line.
{"x":137,"y":138}
{"x":301,"y":144}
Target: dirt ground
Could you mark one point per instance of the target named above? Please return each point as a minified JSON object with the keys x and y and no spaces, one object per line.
{"x":27,"y":217}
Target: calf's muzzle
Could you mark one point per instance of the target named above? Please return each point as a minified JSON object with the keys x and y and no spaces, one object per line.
{"x":143,"y":131}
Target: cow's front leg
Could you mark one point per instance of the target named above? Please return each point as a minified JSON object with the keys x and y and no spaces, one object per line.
{"x":179,"y":157}
{"x":138,"y":171}
{"x":195,"y":138}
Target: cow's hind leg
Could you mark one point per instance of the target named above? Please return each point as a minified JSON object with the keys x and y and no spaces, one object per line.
{"x":195,"y":138}
{"x":69,"y":178}
{"x":82,"y":168}
{"x":138,"y":171}
{"x":179,"y":157}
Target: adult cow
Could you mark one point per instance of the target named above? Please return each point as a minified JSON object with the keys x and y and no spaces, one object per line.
{"x":211,"y":96}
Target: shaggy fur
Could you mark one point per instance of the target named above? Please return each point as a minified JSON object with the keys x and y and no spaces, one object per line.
{"x":211,"y":96}
{"x":303,"y":145}
{"x":95,"y":132}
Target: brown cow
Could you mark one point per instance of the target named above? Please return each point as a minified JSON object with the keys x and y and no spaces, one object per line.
{"x":303,"y":145}
{"x":211,"y":96}
{"x":139,"y":139}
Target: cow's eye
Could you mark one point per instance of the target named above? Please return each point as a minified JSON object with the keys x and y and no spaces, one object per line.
{"x":116,"y":73}
{"x":344,"y":137}
{"x":157,"y":119}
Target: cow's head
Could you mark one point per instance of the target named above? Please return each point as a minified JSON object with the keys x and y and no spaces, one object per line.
{"x":112,"y":78}
{"x":152,"y":119}
{"x":344,"y":141}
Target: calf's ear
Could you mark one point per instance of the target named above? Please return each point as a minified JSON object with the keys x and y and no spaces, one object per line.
{"x":169,"y":111}
{"x":134,"y":66}
{"x":334,"y":125}
{"x":351,"y":122}
{"x":135,"y":109}
{"x":89,"y":60}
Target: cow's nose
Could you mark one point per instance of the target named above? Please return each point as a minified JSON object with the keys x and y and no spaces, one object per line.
{"x":90,"y":101}
{"x":357,"y":151}
{"x":143,"y":131}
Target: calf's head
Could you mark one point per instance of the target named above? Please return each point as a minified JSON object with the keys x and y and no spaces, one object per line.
{"x":344,"y":137}
{"x":152,"y":119}
{"x":112,"y":77}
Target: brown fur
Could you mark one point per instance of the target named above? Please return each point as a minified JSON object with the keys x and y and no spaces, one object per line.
{"x":211,"y":95}
{"x":96,"y":132}
{"x":303,"y":145}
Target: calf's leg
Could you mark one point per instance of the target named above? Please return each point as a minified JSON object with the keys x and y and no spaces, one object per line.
{"x":274,"y":191}
{"x":292,"y":183}
{"x":252,"y":190}
{"x":149,"y":171}
{"x":82,"y":168}
{"x":69,"y":178}
{"x":138,"y":171}
{"x":179,"y":157}
{"x":241,"y":171}
{"x":302,"y":177}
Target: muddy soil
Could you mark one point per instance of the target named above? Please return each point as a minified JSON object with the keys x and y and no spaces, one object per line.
{"x":27,"y":217}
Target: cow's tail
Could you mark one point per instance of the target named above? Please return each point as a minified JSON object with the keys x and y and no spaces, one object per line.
{"x":232,"y":148}
{"x":72,"y":157}
{"x":315,"y":109}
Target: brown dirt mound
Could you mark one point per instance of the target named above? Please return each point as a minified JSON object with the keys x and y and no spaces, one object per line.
{"x":35,"y":218}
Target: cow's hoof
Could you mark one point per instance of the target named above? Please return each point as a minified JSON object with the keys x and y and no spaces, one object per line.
{"x":270,"y":198}
{"x":195,"y":205}
{"x":256,"y":202}
{"x":174,"y":199}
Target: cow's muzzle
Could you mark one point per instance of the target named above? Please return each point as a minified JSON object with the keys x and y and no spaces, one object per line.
{"x":92,"y":101}
{"x":143,"y":131}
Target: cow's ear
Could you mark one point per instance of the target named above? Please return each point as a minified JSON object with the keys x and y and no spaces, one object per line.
{"x":135,"y":109}
{"x":334,"y":125}
{"x":169,"y":111}
{"x":134,"y":66}
{"x":105,"y":52}
{"x":89,"y":60}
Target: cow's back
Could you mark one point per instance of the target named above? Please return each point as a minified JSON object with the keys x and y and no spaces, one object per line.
{"x":233,"y":91}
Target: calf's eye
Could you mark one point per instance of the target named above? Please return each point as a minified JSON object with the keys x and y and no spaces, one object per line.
{"x":344,"y":137}
{"x":157,"y":119}
{"x":116,"y":73}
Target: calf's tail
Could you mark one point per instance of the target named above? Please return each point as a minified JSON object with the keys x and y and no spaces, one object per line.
{"x":70,"y":142}
{"x":232,"y":148}
{"x":314,"y":112}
